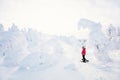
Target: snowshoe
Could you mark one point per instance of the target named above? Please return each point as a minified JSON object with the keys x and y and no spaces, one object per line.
{"x":85,"y":61}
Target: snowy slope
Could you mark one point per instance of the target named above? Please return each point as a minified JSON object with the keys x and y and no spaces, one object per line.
{"x":30,"y":55}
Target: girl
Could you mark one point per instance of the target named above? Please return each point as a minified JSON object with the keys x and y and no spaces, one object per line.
{"x":83,"y":54}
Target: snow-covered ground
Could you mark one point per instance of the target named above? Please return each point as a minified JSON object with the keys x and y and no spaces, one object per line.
{"x":31,"y":55}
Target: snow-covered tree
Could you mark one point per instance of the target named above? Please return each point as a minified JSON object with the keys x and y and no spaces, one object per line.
{"x":1,"y":27}
{"x":118,"y":31}
{"x":113,"y":34}
{"x":96,"y":39}
{"x":13,"y":28}
{"x":111,"y":31}
{"x":13,"y":48}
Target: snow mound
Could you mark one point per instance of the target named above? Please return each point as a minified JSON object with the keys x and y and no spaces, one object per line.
{"x":38,"y":61}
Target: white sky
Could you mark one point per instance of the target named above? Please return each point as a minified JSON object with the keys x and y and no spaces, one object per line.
{"x":57,"y":16}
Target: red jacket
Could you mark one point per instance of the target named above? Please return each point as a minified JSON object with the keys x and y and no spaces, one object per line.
{"x":84,"y":51}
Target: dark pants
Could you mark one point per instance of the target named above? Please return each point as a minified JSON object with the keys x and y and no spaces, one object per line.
{"x":83,"y":58}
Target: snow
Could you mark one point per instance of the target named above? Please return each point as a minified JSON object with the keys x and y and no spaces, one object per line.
{"x":31,"y":55}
